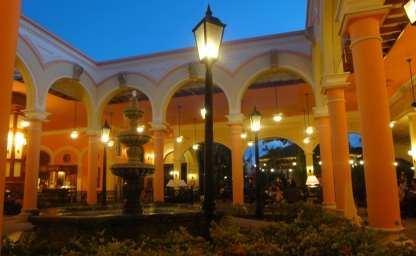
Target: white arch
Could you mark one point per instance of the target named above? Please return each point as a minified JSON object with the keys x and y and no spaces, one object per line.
{"x":177,"y":78}
{"x":110,"y":88}
{"x":291,"y":61}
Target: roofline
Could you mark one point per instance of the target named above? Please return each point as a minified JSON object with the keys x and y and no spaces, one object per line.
{"x":157,"y":54}
{"x":189,"y":49}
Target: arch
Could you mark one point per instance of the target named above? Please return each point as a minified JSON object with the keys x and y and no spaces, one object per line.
{"x":49,"y":152}
{"x":288,"y":61}
{"x":31,"y":89}
{"x":68,"y":148}
{"x":179,"y":77}
{"x":87,"y":99}
{"x":111,"y":87}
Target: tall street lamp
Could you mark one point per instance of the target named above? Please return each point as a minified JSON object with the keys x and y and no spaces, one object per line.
{"x":105,"y":139}
{"x":208,"y":37}
{"x":255,"y":125}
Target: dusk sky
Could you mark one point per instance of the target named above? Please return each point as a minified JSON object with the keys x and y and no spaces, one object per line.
{"x":110,"y":29}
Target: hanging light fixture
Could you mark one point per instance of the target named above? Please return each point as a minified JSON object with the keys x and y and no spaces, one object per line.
{"x":74,"y":133}
{"x":195,"y":146}
{"x":105,"y":132}
{"x":278,"y":116}
{"x":309,"y":130}
{"x":410,"y":9}
{"x":243,"y":134}
{"x":203,"y":112}
{"x":179,"y":139}
{"x":409,"y":61}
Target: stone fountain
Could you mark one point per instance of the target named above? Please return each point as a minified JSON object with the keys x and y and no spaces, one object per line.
{"x":135,"y":169}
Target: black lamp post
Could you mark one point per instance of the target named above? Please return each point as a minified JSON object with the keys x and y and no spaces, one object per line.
{"x":105,"y":138}
{"x":255,"y":125}
{"x":208,"y":37}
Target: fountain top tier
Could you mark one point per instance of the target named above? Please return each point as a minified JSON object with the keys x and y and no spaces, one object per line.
{"x":134,"y":142}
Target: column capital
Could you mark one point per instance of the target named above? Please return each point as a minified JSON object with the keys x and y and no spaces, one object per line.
{"x":33,"y":115}
{"x":349,"y":10}
{"x":235,"y":118}
{"x":334,"y":81}
{"x":92,"y":133}
{"x":158,"y":126}
{"x":321,"y":111}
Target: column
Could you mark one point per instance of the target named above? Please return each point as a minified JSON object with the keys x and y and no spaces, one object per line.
{"x":10,"y":15}
{"x":34,"y":137}
{"x":159,"y":175}
{"x":378,"y":151}
{"x":334,"y":88}
{"x":93,"y":145}
{"x":327,"y":175}
{"x":236,"y":122}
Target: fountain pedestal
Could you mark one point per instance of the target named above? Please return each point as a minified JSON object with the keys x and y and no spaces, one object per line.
{"x":134,"y":170}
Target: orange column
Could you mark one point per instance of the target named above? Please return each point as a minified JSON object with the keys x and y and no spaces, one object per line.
{"x":381,"y":184}
{"x":339,"y":141}
{"x":93,"y":143}
{"x":10,"y":14}
{"x":237,"y":164}
{"x":34,"y":137}
{"x":324,"y":131}
{"x":158,"y":177}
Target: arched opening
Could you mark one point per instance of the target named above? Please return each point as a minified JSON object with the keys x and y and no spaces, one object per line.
{"x":281,"y":160}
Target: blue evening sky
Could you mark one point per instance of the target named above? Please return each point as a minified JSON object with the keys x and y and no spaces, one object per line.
{"x":110,"y":29}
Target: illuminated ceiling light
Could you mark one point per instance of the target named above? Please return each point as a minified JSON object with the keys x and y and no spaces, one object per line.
{"x":250,"y":143}
{"x":310,"y":130}
{"x":272,"y":170}
{"x":294,"y":163}
{"x":412,"y":168}
{"x":203,"y":113}
{"x":396,"y":164}
{"x":140,"y":128}
{"x":179,"y":139}
{"x":410,"y":9}
{"x":243,"y":135}
{"x":195,"y":147}
{"x":105,"y":132}
{"x":74,"y":135}
{"x":25,"y":123}
{"x":278,"y":117}
{"x":320,"y":162}
{"x":351,"y":162}
{"x":225,"y":177}
{"x":362,"y":162}
{"x":306,"y":140}
{"x":110,"y":143}
{"x":392,"y":124}
{"x":412,"y":152}
{"x":290,"y":170}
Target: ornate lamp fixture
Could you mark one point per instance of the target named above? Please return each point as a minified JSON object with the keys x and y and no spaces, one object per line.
{"x":410,"y":9}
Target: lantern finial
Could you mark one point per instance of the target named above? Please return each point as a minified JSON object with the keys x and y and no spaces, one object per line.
{"x":208,"y":12}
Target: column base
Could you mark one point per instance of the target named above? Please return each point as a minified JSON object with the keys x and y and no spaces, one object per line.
{"x":331,"y":206}
{"x":388,"y":230}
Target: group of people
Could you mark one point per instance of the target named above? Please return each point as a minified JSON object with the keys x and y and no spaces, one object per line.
{"x":279,"y":190}
{"x":407,"y":195}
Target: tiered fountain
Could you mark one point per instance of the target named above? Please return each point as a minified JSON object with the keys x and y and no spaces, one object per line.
{"x":134,"y":170}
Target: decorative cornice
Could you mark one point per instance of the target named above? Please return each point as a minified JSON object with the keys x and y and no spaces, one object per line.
{"x":321,"y":111}
{"x":348,"y":10}
{"x":235,"y":118}
{"x":33,"y":115}
{"x":334,"y":81}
